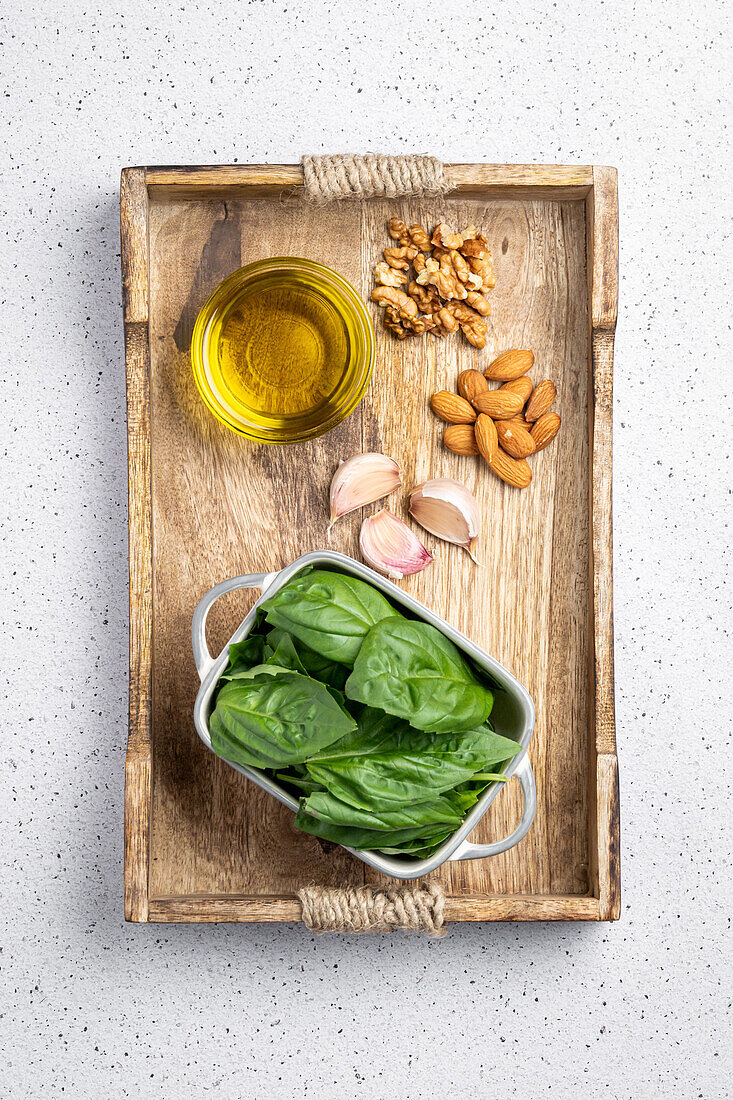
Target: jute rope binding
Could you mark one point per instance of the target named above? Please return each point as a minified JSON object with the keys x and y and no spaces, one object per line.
{"x":371,"y":175}
{"x":363,"y":909}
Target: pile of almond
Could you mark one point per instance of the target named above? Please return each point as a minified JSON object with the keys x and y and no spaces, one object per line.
{"x":505,"y":425}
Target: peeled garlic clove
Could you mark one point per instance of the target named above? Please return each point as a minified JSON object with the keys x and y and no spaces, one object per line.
{"x":361,"y":480}
{"x":389,"y":546}
{"x":446,"y":508}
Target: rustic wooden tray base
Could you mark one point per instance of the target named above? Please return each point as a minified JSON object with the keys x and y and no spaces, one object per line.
{"x":202,"y":844}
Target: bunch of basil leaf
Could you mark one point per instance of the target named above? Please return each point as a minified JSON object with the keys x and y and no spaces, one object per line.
{"x":373,"y":720}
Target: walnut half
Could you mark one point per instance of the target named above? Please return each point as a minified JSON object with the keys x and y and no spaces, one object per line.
{"x":391,"y":296}
{"x":442,"y":275}
{"x":408,"y":235}
{"x":394,"y":324}
{"x":400,"y":258}
{"x":425,"y":296}
{"x":389,"y":276}
{"x":444,"y":237}
{"x":473,"y":326}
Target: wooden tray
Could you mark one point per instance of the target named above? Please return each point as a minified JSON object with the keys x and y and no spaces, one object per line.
{"x":202,"y":844}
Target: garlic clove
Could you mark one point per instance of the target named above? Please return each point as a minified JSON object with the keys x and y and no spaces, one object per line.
{"x":361,"y":480}
{"x":446,"y":508}
{"x":388,"y":545}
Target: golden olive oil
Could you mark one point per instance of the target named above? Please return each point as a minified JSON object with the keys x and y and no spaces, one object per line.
{"x":285,"y":353}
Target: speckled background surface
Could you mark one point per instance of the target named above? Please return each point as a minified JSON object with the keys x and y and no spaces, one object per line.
{"x":94,"y":1008}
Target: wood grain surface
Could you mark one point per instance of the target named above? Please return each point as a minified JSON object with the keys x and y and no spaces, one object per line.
{"x":221,"y":849}
{"x":558,"y":181}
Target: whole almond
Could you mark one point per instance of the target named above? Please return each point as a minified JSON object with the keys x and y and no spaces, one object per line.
{"x":541,"y":400}
{"x":487,"y":440}
{"x":545,"y":429}
{"x":452,"y":408}
{"x":460,"y":439}
{"x":499,"y":404}
{"x":522,"y":386}
{"x":514,"y":471}
{"x":512,"y":364}
{"x":516,"y":441}
{"x":517,"y":422}
{"x":471,"y":383}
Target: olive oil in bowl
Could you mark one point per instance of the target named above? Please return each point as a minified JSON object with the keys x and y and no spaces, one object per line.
{"x":282,"y":350}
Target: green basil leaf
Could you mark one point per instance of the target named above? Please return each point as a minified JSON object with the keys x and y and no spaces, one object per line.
{"x":273,"y":716}
{"x":412,"y":670}
{"x":385,"y":763}
{"x":418,"y":849}
{"x":284,"y":652}
{"x":266,"y":669}
{"x":327,"y":807}
{"x":330,"y":613}
{"x":467,"y":794}
{"x":243,"y":655}
{"x":320,"y":668}
{"x":359,"y":838}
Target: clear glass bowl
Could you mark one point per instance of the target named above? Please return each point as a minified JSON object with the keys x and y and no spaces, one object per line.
{"x":282,"y":350}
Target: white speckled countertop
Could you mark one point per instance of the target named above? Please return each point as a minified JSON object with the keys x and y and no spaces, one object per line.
{"x":95,"y":1008}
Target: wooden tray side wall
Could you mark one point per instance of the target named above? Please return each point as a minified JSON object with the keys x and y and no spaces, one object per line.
{"x":602,"y":263}
{"x":138,"y":759}
{"x":597,"y":188}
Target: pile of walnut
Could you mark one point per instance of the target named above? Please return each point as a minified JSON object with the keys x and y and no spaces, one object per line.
{"x":451,"y":273}
{"x":505,"y":425}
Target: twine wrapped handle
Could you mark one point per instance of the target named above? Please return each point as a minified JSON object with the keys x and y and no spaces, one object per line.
{"x":371,"y":175}
{"x":371,"y":909}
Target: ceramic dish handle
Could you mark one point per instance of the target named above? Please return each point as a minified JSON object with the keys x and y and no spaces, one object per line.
{"x":525,"y":775}
{"x":201,"y":654}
